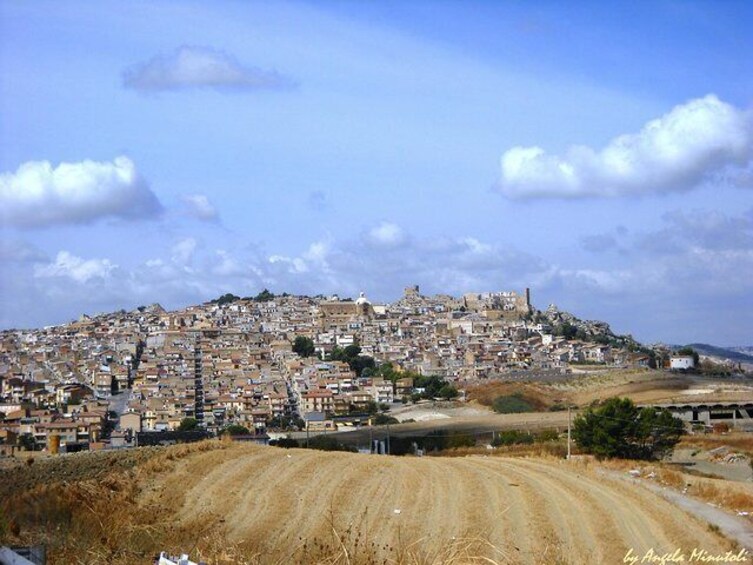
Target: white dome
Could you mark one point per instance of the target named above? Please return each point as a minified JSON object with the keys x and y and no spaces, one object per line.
{"x":362,"y":299}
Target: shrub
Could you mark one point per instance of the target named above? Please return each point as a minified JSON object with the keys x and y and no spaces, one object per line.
{"x":512,"y":437}
{"x":236,"y":430}
{"x":547,"y":435}
{"x":512,"y":404}
{"x":328,"y":443}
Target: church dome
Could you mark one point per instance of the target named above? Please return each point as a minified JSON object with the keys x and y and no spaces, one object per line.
{"x":362,"y":299}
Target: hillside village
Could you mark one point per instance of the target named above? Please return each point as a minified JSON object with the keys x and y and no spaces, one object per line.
{"x":232,"y":361}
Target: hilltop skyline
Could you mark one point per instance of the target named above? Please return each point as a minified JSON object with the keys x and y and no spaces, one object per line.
{"x":602,"y":157}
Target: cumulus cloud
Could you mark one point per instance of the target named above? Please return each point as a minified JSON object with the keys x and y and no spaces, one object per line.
{"x":40,"y":195}
{"x":704,"y":139}
{"x":199,"y":67}
{"x":75,"y":268}
{"x":386,"y":234}
{"x":199,"y":206}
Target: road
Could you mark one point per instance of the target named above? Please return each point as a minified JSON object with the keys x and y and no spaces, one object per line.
{"x":736,"y":529}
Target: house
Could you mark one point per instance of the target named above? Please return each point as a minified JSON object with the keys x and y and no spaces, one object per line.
{"x":681,"y":362}
{"x":131,"y":421}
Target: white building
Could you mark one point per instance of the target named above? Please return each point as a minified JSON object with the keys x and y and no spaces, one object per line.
{"x":681,"y":362}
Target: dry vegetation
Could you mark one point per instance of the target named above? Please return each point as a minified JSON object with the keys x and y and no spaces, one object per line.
{"x":739,"y":441}
{"x":729,"y":495}
{"x":485,"y":393}
{"x":230,"y":503}
{"x":582,"y":389}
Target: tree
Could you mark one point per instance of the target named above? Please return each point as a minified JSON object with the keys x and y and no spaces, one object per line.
{"x":448,"y":392}
{"x":264,"y":296}
{"x":188,"y":425}
{"x":620,"y":429}
{"x":566,"y":330}
{"x":361,"y":363}
{"x":27,"y":442}
{"x":225,"y":299}
{"x":236,"y":430}
{"x":303,"y":346}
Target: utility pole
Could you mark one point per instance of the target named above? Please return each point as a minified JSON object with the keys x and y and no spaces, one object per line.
{"x":568,"y":430}
{"x":307,"y":434}
{"x":371,"y":437}
{"x":388,"y":439}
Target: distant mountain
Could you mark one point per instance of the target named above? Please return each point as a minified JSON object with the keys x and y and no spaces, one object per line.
{"x":723,"y":352}
{"x":746,"y":349}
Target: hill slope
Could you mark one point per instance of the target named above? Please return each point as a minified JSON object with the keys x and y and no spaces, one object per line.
{"x":530,"y":510}
{"x":233,"y":503}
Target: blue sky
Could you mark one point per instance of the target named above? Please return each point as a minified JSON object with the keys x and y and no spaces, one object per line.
{"x":599,"y":153}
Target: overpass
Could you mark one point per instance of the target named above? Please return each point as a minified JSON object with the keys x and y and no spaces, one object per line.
{"x":735,"y":413}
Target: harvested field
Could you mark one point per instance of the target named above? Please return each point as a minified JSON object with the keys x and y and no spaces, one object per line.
{"x":528,"y":510}
{"x":235,"y":503}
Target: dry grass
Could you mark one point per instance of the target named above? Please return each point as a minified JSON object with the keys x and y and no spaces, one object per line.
{"x":730,"y":495}
{"x":129,"y":515}
{"x":550,"y":449}
{"x":740,"y":441}
{"x":486,"y":393}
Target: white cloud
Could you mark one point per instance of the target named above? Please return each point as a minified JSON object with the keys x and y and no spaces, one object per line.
{"x":38,"y":195}
{"x":701,"y":140}
{"x":199,"y":67}
{"x":386,"y":234}
{"x":182,"y":252}
{"x":75,"y":268}
{"x":199,"y":206}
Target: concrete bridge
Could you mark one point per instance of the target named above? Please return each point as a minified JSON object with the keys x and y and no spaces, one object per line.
{"x":734,"y":413}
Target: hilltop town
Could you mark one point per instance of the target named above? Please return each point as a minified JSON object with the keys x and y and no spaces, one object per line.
{"x":278,"y":362}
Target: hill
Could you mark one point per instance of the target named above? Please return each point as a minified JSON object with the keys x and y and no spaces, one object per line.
{"x":234,"y":503}
{"x":721,"y":352}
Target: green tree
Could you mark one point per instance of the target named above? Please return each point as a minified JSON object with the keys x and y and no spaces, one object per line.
{"x":620,"y":429}
{"x":361,"y":363}
{"x":303,"y":346}
{"x":264,"y":296}
{"x":566,"y":330}
{"x":188,"y":425}
{"x":236,"y":430}
{"x":448,"y":392}
{"x":27,"y":442}
{"x":226,"y":299}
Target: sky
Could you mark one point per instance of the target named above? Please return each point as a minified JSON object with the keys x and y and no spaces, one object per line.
{"x":599,"y":153}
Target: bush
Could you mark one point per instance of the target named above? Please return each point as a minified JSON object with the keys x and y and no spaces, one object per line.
{"x":236,"y":430}
{"x":328,"y":443}
{"x":513,"y":404}
{"x":286,"y":442}
{"x":547,"y":435}
{"x":383,"y":419}
{"x":188,"y":424}
{"x":512,"y":437}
